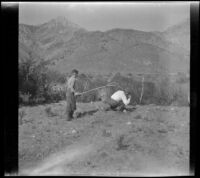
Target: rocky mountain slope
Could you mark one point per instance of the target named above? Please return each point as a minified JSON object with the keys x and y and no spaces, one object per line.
{"x":66,"y":45}
{"x":179,"y":34}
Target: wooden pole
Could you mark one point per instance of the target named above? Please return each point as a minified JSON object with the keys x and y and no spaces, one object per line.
{"x":142,"y":89}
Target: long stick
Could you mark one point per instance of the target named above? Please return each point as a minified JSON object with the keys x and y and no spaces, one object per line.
{"x":95,"y":89}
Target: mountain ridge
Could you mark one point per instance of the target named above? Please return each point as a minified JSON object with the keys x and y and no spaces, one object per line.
{"x":67,"y":46}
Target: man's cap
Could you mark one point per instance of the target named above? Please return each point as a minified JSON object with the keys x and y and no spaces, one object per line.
{"x":127,"y":92}
{"x":74,"y":71}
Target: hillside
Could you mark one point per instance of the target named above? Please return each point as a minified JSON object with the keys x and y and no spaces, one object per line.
{"x":67,"y":45}
{"x":150,"y":137}
{"x":179,"y":34}
{"x":151,"y":140}
{"x":42,"y":38}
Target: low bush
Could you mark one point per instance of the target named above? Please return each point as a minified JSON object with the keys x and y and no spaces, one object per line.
{"x":49,"y":112}
{"x":158,"y":90}
{"x":22,"y":113}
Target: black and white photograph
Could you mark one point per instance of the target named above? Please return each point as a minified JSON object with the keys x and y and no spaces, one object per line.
{"x":104,"y":88}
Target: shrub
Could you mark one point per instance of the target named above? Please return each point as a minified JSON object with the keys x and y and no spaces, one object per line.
{"x":49,"y":112}
{"x":157,"y":89}
{"x":87,"y":83}
{"x":182,"y":78}
{"x":180,"y":95}
{"x":24,"y":98}
{"x":22,"y":113}
{"x":120,"y":143}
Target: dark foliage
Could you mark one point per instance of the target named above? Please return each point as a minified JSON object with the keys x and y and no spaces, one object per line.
{"x":35,"y":86}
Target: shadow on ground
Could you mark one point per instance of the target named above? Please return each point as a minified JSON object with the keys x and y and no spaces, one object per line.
{"x":82,"y":114}
{"x":91,"y":112}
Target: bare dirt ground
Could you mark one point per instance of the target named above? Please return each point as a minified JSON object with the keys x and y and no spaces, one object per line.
{"x":151,"y":140}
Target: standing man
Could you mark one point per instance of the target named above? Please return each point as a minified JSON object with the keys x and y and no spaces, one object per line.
{"x":71,"y":95}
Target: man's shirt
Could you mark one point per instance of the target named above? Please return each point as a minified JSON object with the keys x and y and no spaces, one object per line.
{"x":120,"y":96}
{"x":71,"y":83}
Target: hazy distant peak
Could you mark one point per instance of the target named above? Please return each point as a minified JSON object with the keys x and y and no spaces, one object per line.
{"x":124,"y":30}
{"x":183,"y":24}
{"x":67,"y":45}
{"x":64,"y":21}
{"x":61,"y":18}
{"x":119,"y":30}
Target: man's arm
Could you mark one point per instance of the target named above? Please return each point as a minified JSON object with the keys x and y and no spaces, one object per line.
{"x":124,"y":99}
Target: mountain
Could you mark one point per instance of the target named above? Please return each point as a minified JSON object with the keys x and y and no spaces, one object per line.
{"x":179,"y":34}
{"x":66,"y":45}
{"x":46,"y":38}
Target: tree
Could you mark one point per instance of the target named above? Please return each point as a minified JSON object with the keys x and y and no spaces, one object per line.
{"x":32,"y":76}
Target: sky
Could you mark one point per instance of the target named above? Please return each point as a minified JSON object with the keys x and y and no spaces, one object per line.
{"x":145,"y":16}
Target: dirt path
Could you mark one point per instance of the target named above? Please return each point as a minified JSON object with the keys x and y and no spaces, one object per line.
{"x":151,"y":140}
{"x":53,"y":165}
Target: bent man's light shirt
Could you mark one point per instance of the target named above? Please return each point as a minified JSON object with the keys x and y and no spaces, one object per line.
{"x":120,"y":96}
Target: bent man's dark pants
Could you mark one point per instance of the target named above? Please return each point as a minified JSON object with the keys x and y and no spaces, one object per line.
{"x":114,"y":105}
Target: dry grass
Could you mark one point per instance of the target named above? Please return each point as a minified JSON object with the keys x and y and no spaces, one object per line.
{"x":49,"y":112}
{"x":110,"y":133}
{"x":22,"y":113}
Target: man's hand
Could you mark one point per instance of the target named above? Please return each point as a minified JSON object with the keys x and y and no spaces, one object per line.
{"x":77,"y":94}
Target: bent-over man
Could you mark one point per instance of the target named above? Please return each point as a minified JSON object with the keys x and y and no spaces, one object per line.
{"x":118,"y":100}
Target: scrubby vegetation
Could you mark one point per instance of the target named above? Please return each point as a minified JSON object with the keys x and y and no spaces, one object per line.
{"x":22,"y":113}
{"x":35,"y":82}
{"x":37,"y":85}
{"x":49,"y":112}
